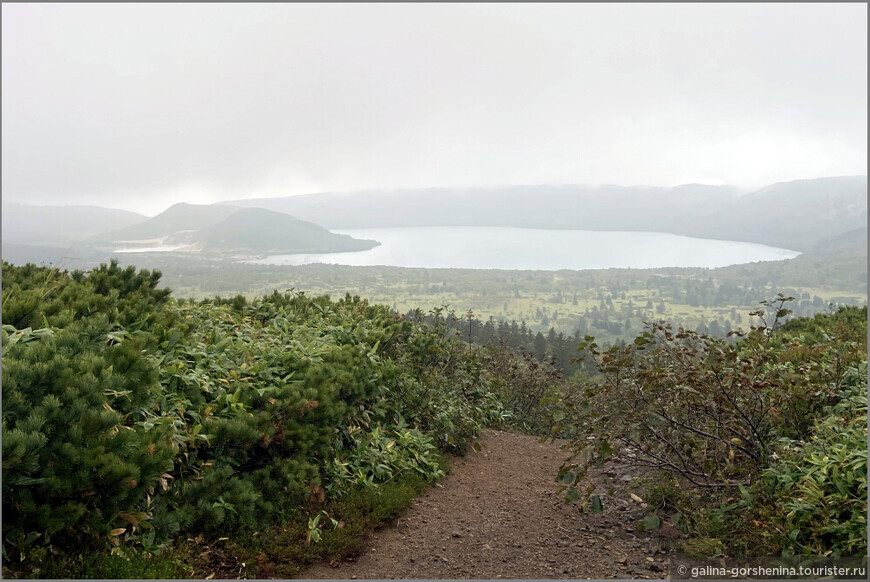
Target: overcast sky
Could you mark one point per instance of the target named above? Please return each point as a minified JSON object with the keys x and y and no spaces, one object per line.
{"x":138,"y":106}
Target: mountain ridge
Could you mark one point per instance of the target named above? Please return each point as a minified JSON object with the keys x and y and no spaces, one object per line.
{"x":798,"y":214}
{"x":820,"y":208}
{"x":180,"y":217}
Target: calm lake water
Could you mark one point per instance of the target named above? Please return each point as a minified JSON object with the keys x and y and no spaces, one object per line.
{"x":467,"y":247}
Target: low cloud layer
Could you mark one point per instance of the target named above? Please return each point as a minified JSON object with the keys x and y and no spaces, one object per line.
{"x":137,"y":106}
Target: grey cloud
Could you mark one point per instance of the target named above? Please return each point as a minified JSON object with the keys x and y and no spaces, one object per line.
{"x":137,"y":106}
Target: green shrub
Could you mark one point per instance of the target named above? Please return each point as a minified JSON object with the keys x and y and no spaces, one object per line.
{"x":449,"y":394}
{"x":821,"y":484}
{"x":76,"y":459}
{"x":763,"y":439}
{"x":709,"y":411}
{"x":131,"y":565}
{"x":129,"y":417}
{"x":40,"y":297}
{"x":380,"y":455}
{"x":538,"y":395}
{"x":260,"y":389}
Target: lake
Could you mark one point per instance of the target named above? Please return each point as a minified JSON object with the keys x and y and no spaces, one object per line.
{"x":469,"y":247}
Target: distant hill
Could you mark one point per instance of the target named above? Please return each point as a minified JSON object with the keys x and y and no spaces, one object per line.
{"x":854,"y":241}
{"x":229,"y":229}
{"x":794,"y":215}
{"x":61,"y":225}
{"x":575,"y":207}
{"x":170,"y":226}
{"x":259,"y":231}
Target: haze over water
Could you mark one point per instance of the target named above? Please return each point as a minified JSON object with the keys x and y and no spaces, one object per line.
{"x":536,"y":249}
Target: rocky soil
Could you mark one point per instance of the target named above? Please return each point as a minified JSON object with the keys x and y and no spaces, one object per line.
{"x":499,"y":515}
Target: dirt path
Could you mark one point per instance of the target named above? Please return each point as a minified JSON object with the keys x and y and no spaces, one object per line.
{"x":499,"y":515}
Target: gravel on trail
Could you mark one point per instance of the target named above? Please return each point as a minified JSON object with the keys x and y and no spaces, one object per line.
{"x":499,"y":514}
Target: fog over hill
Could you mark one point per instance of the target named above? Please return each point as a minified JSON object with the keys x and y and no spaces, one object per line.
{"x":60,"y":225}
{"x":794,"y":215}
{"x":539,"y":206}
{"x":178,"y":218}
{"x":817,"y":215}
